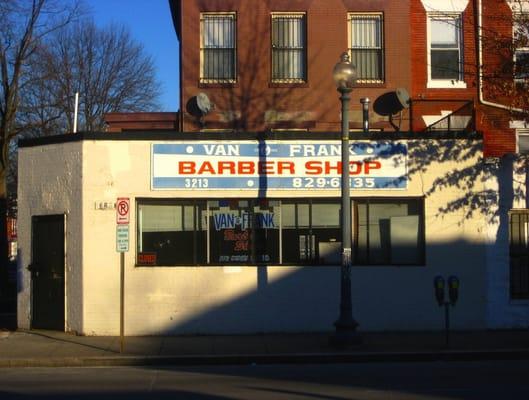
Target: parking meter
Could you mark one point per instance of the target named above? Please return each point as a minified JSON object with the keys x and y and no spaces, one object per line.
{"x":439,"y":287}
{"x":453,"y":289}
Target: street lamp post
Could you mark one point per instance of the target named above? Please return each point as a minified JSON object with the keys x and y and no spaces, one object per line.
{"x":344,"y":75}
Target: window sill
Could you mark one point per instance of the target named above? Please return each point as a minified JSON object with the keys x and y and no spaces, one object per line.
{"x":446,"y":84}
{"x":360,"y":84}
{"x":218,"y":84}
{"x":288,"y":85}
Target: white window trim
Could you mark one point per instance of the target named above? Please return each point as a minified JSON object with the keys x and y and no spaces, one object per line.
{"x":519,"y":6}
{"x":520,"y":132}
{"x":453,"y":6}
{"x":441,"y":83}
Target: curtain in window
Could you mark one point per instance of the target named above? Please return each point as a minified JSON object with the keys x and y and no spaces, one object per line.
{"x":367,"y":46}
{"x":288,"y":47}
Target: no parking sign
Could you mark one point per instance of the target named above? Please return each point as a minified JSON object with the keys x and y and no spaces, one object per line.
{"x":123,"y":210}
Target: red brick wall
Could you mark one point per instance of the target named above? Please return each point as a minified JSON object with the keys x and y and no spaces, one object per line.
{"x":316,"y":103}
{"x":493,"y":122}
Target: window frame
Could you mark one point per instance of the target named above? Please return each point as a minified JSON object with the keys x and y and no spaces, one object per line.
{"x":458,"y":83}
{"x":381,"y":48}
{"x":523,"y":18}
{"x":519,"y":251}
{"x":203,"y":49}
{"x":317,"y":233}
{"x":304,"y":49}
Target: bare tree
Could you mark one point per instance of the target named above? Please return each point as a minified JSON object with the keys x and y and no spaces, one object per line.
{"x":505,"y":69}
{"x":110,"y":71}
{"x":25,"y":23}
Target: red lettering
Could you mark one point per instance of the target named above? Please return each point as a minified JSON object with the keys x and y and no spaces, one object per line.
{"x":313,"y":168}
{"x":206,"y":168}
{"x":369,"y":165}
{"x":288,"y":166}
{"x":228,"y":166}
{"x":246,"y":168}
{"x":241,"y":246}
{"x":186,"y":167}
{"x":265,"y":167}
{"x":330,"y":167}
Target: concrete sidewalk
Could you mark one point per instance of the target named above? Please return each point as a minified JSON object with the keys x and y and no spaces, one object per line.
{"x":50,"y":348}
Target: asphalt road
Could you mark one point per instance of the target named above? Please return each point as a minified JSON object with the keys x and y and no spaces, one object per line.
{"x":393,"y":381}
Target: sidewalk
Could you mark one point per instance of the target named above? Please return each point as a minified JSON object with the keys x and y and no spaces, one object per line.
{"x":50,"y":348}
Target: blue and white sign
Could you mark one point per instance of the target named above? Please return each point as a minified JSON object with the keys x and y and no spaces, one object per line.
{"x":277,"y":165}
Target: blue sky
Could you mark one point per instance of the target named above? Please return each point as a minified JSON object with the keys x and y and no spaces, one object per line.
{"x":150,"y":23}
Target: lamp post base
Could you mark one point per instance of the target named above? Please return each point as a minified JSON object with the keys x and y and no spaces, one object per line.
{"x":346,"y":334}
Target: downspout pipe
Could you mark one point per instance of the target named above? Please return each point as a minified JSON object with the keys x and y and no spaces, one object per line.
{"x":482,"y":100}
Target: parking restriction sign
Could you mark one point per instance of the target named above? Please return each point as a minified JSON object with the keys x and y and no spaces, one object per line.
{"x":123,"y":210}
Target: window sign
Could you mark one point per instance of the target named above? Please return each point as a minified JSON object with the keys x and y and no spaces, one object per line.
{"x":278,"y":231}
{"x":274,"y":165}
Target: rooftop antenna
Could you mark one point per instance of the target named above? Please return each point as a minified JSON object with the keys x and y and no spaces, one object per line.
{"x":76,"y":109}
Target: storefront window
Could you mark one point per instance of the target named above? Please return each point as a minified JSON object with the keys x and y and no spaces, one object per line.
{"x":171,"y":234}
{"x":278,"y":231}
{"x":242,"y":232}
{"x":389,"y":232}
{"x":311,"y":232}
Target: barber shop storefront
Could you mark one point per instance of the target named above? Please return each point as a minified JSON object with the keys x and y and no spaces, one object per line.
{"x":243,"y":234}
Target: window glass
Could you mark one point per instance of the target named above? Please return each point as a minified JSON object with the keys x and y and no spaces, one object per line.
{"x":218,"y":48}
{"x":521,"y":67}
{"x":311,"y":233}
{"x":294,"y":231}
{"x":366,"y":46}
{"x":444,"y":33}
{"x":445,"y":48}
{"x":288,"y":48}
{"x":242,"y":233}
{"x":519,"y":253}
{"x":170,"y":234}
{"x":389,"y":232}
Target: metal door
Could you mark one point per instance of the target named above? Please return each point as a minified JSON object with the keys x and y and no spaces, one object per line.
{"x":47,"y":272}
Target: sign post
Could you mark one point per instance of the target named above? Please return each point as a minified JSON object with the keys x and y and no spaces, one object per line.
{"x":122,"y":246}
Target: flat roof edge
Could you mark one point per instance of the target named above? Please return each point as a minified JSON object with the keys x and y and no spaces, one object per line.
{"x":287,"y":136}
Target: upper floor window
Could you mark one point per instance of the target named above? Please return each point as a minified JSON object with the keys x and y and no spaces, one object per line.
{"x":445,"y":51}
{"x":218,"y":48}
{"x":366,"y":45}
{"x":521,"y":46}
{"x":289,"y":48}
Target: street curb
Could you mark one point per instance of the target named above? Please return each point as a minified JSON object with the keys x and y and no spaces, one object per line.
{"x":254,"y":359}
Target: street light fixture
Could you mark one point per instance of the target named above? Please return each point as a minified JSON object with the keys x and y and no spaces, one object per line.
{"x":344,"y":75}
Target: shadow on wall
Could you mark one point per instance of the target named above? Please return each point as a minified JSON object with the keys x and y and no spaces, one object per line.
{"x":388,"y":297}
{"x":306,"y":299}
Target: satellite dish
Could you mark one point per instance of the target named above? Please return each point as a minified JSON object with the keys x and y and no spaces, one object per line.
{"x":391,"y":103}
{"x":199,"y":106}
{"x":203,"y":103}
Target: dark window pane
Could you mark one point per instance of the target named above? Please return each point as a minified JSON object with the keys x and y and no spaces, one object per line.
{"x":389,"y":232}
{"x":170,"y":234}
{"x":218,"y":48}
{"x":519,"y":254}
{"x":445,"y":64}
{"x":288,"y":47}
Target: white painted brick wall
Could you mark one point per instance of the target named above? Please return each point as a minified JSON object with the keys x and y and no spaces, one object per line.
{"x":161,"y":300}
